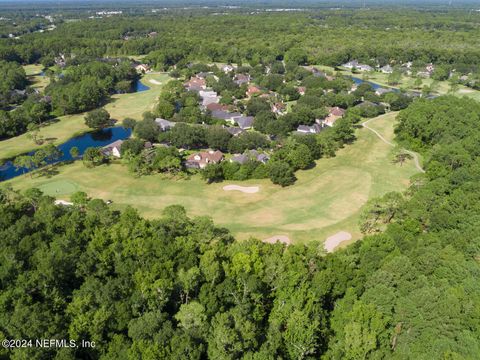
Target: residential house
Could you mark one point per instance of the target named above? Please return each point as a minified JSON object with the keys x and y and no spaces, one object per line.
{"x":163,"y":124}
{"x":253,"y":90}
{"x":244,"y":122}
{"x":240,"y":158}
{"x":142,"y":68}
{"x":241,"y":79}
{"x":201,"y":159}
{"x":208,"y":97}
{"x":423,"y":74}
{"x":334,"y":114}
{"x":255,"y":155}
{"x":354,"y":64}
{"x":351,"y":64}
{"x":301,"y":90}
{"x":225,"y":115}
{"x":250,"y":155}
{"x":430,"y":68}
{"x":305,"y":129}
{"x":383,"y":91}
{"x":216,"y":106}
{"x":387,"y":69}
{"x":234,"y":131}
{"x":195,"y":84}
{"x":227,"y":68}
{"x":364,"y":67}
{"x":202,"y":75}
{"x":113,"y":149}
{"x":279,"y":108}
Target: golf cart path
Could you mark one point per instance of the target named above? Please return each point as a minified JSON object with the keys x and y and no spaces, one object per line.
{"x":414,"y":154}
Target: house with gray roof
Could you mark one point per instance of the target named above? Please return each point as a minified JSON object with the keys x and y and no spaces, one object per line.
{"x":383,"y":91}
{"x":244,"y":122}
{"x":113,"y":149}
{"x":240,"y":159}
{"x":387,"y":69}
{"x":305,"y":129}
{"x":235,"y":131}
{"x":225,"y":115}
{"x":163,"y":124}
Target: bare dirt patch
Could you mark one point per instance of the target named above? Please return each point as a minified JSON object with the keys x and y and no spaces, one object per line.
{"x":154,"y":82}
{"x":284,"y":239}
{"x":244,"y":189}
{"x":333,"y":241}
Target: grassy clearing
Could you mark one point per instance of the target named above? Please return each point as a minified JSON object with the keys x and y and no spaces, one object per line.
{"x":36,"y":80}
{"x":325,"y":200}
{"x":407,"y":83}
{"x":121,"y":106}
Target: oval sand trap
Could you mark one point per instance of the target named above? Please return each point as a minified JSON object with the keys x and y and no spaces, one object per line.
{"x":333,"y":241}
{"x":63,"y":202}
{"x":278,"y":238}
{"x":244,"y":189}
{"x":154,"y":82}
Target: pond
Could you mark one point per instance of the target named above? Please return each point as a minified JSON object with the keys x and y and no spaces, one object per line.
{"x":375,"y":86}
{"x":92,"y":139}
{"x":138,"y":86}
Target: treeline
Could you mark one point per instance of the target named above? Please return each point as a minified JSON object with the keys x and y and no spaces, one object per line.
{"x":330,"y":38}
{"x":84,"y":84}
{"x":13,"y":82}
{"x":177,"y":287}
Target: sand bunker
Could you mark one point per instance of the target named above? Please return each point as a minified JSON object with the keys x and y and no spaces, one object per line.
{"x":333,"y":241}
{"x":244,"y":189}
{"x":278,"y":238}
{"x":155,"y":82}
{"x":63,"y":202}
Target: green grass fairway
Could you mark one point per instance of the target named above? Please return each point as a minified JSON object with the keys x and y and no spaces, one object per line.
{"x":33,"y":74}
{"x":120,"y":107}
{"x":59,"y":187}
{"x":407,"y":83}
{"x":325,"y":200}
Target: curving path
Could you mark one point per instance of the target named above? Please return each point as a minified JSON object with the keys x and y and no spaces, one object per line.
{"x":414,"y":154}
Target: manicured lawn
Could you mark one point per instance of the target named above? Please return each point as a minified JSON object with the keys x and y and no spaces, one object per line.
{"x":325,"y":200}
{"x":121,"y":106}
{"x":407,"y":83}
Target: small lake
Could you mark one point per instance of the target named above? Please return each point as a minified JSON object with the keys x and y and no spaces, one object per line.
{"x":92,"y":139}
{"x":138,"y":86}
{"x":359,"y":81}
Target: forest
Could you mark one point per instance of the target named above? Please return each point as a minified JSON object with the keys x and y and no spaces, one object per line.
{"x":178,"y":286}
{"x":181,"y":288}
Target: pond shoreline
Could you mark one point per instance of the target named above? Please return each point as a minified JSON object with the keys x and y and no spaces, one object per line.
{"x":92,"y":138}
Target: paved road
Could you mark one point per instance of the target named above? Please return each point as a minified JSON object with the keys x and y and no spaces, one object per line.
{"x":414,"y":154}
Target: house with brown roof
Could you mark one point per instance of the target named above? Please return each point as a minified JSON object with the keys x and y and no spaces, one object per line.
{"x":217,"y":107}
{"x":195,"y":84}
{"x":201,"y":159}
{"x":334,"y":114}
{"x":253,"y":90}
{"x":279,"y":108}
{"x":301,"y":90}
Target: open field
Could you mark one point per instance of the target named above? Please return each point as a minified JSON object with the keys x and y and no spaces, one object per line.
{"x":36,"y":80}
{"x":121,"y":106}
{"x":325,"y":200}
{"x":407,"y":83}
